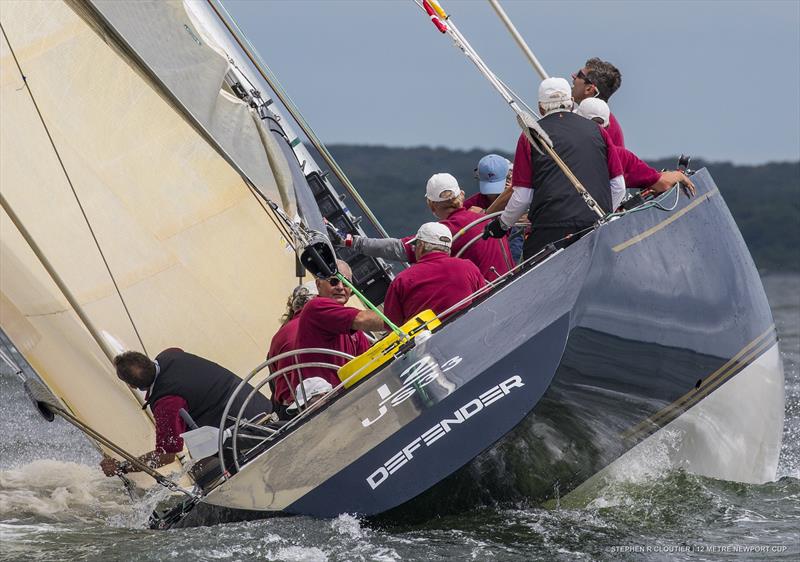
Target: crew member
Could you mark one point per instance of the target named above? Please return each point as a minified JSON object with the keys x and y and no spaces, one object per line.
{"x":436,"y":281}
{"x":309,"y":393}
{"x":599,"y":79}
{"x":326,"y":322}
{"x":556,"y":209}
{"x":176,"y":380}
{"x":638,"y":174}
{"x":284,"y":341}
{"x":493,"y":178}
{"x":446,"y":201}
{"x":493,"y":197}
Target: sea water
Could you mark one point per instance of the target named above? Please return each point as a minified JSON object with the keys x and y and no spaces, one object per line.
{"x":55,"y":504}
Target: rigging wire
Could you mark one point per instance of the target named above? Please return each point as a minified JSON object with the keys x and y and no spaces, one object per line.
{"x":74,"y":192}
{"x":537,"y":136}
{"x":266,"y":73}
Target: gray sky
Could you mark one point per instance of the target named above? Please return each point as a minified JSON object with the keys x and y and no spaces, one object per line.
{"x":718,"y":80}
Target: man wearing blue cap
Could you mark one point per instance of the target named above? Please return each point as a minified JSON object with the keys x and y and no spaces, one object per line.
{"x":492,"y":178}
{"x":494,"y":183}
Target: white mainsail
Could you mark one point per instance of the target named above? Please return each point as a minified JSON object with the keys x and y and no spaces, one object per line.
{"x":199,"y":261}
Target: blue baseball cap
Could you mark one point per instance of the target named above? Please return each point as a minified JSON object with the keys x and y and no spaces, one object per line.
{"x":492,"y":172}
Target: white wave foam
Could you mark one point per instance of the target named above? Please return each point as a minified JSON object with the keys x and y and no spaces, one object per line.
{"x":301,"y":554}
{"x":348,"y":525}
{"x":55,"y":490}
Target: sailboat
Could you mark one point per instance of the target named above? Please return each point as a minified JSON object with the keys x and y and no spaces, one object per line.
{"x":156,"y":195}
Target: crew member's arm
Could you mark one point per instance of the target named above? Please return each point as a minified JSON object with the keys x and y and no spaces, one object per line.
{"x":169,"y":426}
{"x":639,"y":174}
{"x":368,"y":321}
{"x":386,"y":248}
{"x":500,"y":203}
{"x":615,"y":171}
{"x":522,"y":181}
{"x":667,"y":179}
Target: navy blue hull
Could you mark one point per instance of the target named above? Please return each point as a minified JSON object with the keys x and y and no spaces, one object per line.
{"x":569,"y":366}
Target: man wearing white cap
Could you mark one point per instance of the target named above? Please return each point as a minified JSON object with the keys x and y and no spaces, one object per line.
{"x":436,"y":281}
{"x":595,"y":110}
{"x":311,"y":391}
{"x":445,"y":199}
{"x":555,"y":208}
{"x":327,"y":323}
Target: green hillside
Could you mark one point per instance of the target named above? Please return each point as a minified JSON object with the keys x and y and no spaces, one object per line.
{"x":764,"y":200}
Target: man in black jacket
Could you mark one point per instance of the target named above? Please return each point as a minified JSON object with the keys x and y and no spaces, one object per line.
{"x":176,"y":380}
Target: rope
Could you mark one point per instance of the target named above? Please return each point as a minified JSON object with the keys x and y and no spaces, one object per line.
{"x":74,"y":192}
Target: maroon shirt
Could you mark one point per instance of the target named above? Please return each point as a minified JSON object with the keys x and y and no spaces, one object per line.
{"x":637,"y":173}
{"x":169,"y":424}
{"x":477,"y":200}
{"x":492,"y":256}
{"x":326,"y":323}
{"x":522,"y":176}
{"x":435,"y":282}
{"x":283,"y":341}
{"x":615,"y":131}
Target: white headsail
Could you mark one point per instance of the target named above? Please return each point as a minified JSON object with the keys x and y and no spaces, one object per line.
{"x":156,"y":150}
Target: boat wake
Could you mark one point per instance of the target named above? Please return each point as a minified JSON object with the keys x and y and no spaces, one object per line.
{"x":59,"y":491}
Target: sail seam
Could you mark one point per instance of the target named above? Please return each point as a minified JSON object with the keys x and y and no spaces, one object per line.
{"x":72,"y":187}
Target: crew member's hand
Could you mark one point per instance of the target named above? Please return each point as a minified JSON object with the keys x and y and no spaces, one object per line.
{"x":670,"y":178}
{"x":477,"y":210}
{"x":109,"y":466}
{"x":495,"y":229}
{"x":334,"y":235}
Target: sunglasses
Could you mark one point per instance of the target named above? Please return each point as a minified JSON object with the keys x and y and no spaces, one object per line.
{"x":334,"y":282}
{"x":580,"y":75}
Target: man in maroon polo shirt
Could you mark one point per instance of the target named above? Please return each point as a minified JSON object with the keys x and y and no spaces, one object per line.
{"x":446,"y":201}
{"x":284,"y":341}
{"x":326,"y":322}
{"x":436,"y":281}
{"x":599,"y":79}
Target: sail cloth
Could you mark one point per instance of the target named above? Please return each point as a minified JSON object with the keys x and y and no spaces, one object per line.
{"x":165,"y":36}
{"x":196,"y":257}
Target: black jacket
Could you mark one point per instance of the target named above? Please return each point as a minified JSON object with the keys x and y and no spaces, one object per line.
{"x":204,"y":385}
{"x":556,"y":203}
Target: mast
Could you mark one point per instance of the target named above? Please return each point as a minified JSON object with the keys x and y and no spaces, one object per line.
{"x":501,"y":13}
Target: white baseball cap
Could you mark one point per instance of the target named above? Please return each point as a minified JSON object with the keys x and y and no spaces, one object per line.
{"x":554,"y":89}
{"x":594,"y":107}
{"x":313,"y":386}
{"x":434,"y":233}
{"x":439,"y":184}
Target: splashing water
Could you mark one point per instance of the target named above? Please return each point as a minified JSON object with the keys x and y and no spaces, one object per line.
{"x":55,"y":504}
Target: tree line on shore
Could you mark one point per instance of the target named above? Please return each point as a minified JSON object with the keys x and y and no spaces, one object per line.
{"x":764,"y":199}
